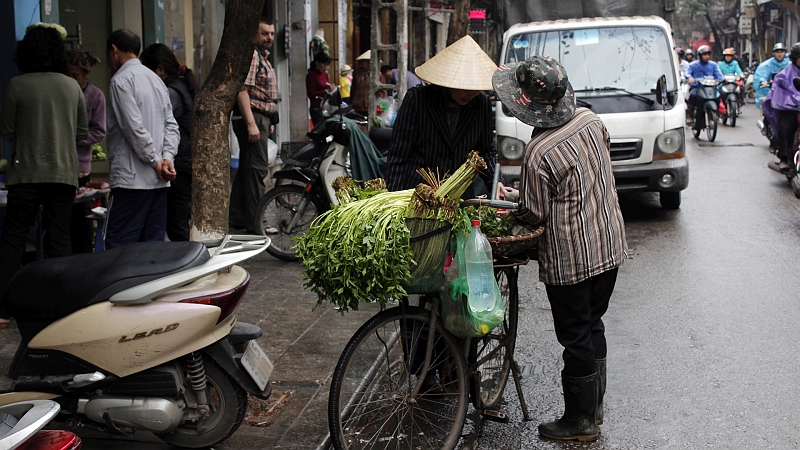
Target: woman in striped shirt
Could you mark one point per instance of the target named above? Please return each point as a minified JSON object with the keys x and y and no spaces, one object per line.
{"x":567,"y":184}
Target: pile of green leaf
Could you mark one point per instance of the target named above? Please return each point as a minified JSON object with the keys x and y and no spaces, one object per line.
{"x":492,"y":224}
{"x":358,"y":251}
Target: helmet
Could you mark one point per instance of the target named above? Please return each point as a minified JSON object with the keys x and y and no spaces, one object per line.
{"x":681,"y":53}
{"x":778,"y":46}
{"x":703,"y":49}
{"x":689,"y":52}
{"x":728,"y":51}
{"x":794,"y":53}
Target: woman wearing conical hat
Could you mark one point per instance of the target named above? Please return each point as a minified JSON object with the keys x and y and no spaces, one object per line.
{"x":440,"y":123}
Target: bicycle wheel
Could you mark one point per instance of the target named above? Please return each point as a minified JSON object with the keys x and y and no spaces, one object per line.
{"x":489,"y":352}
{"x":711,"y":125}
{"x":369,"y":405}
{"x":274,"y":215}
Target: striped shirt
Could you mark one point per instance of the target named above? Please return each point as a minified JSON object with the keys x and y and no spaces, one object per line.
{"x":262,"y":86}
{"x":568,"y":185}
{"x":423,"y":138}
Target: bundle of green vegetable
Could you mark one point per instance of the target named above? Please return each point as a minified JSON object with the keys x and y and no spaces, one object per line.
{"x":492,"y":223}
{"x":358,"y":251}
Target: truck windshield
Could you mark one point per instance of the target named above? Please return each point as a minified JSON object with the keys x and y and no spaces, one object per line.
{"x":625,"y":58}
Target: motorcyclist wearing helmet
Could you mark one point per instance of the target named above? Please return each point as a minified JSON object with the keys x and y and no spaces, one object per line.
{"x":699,"y":69}
{"x":729,"y":66}
{"x":781,"y":106}
{"x":689,"y":55}
{"x":684,"y":65}
{"x":762,"y":77}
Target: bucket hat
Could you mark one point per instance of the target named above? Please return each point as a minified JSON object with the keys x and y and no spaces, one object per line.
{"x":536,"y":91}
{"x":346,"y":69}
{"x":462,"y":65}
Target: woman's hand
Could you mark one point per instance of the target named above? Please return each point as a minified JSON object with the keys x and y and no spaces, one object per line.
{"x":501,"y":191}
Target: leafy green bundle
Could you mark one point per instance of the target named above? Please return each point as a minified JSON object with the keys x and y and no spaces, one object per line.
{"x":492,"y":224}
{"x":358,"y":251}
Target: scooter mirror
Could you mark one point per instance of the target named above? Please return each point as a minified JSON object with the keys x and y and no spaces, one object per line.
{"x":796,"y":83}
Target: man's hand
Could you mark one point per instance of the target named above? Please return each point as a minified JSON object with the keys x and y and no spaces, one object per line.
{"x":501,"y":191}
{"x":168,"y":170}
{"x":271,"y":129}
{"x":253,"y":135}
{"x":691,"y":80}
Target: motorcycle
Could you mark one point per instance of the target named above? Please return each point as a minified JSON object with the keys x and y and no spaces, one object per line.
{"x":21,"y":426}
{"x":142,"y":337}
{"x":729,"y":94}
{"x":706,"y":114}
{"x":288,"y":209}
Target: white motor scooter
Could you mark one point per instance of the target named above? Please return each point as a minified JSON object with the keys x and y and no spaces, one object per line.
{"x":142,"y":337}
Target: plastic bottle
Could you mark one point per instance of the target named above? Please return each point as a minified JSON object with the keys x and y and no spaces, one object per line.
{"x":480,"y":272}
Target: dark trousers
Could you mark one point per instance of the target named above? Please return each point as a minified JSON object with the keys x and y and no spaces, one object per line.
{"x":248,"y":185}
{"x":179,"y":206}
{"x":81,"y":231}
{"x":24,"y":200}
{"x":135,"y":215}
{"x":578,"y":316}
{"x":787,"y":126}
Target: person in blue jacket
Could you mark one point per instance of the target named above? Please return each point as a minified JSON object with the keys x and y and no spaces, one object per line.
{"x":699,"y":69}
{"x":730,"y":66}
{"x":766,"y":71}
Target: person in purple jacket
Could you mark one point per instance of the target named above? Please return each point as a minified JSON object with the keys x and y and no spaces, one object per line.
{"x":781,"y":108}
{"x":79,"y":66}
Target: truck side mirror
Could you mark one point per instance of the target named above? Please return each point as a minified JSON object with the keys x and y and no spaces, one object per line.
{"x":661,"y":90}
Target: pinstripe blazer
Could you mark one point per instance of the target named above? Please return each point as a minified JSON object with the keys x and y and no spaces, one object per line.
{"x":422,"y":139}
{"x":568,"y":185}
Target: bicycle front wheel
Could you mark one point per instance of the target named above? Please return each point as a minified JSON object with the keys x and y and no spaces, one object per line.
{"x":490,"y":352}
{"x":370,"y":404}
{"x":283,"y":213}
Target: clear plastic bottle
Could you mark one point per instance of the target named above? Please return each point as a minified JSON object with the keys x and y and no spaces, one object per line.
{"x":480,"y":271}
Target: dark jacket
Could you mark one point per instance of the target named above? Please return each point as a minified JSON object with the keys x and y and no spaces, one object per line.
{"x":183,"y":115}
{"x":421,"y":138}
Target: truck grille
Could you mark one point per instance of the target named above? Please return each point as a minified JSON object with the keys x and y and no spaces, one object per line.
{"x":622,"y":150}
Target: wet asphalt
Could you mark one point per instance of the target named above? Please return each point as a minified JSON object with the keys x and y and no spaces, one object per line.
{"x":703,"y":328}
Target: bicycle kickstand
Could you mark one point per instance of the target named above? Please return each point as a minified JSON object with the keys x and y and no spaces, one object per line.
{"x":517,"y":381}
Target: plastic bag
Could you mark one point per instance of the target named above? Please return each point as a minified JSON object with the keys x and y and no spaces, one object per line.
{"x":458,"y":317}
{"x":386,"y":108}
{"x":272,"y":152}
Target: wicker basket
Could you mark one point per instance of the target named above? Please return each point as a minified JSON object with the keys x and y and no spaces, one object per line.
{"x":433,"y":237}
{"x":513,"y":245}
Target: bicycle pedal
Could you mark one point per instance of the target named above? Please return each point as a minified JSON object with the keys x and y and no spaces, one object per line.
{"x":495,"y":416}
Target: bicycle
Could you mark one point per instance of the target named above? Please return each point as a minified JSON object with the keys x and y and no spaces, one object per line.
{"x":381,"y":390}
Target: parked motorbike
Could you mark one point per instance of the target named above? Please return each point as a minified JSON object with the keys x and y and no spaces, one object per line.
{"x":21,"y":426}
{"x":288,"y":209}
{"x":142,"y":337}
{"x":729,"y":94}
{"x":706,"y":113}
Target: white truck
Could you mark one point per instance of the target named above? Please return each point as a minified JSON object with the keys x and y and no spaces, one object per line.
{"x":614,"y":65}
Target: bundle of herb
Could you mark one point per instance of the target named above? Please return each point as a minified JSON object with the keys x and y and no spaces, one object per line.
{"x":358,"y":252}
{"x":348,"y":189}
{"x":492,"y":223}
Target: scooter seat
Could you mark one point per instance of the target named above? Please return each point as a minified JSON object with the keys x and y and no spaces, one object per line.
{"x":54,"y":288}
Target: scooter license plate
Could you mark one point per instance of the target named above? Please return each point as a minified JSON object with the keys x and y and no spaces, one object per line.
{"x":257,"y":364}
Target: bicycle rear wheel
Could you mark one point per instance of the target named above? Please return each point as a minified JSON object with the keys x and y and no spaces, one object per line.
{"x":492,"y":374}
{"x":369,"y":405}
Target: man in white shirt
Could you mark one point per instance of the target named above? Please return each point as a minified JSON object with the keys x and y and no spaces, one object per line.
{"x":143,"y":139}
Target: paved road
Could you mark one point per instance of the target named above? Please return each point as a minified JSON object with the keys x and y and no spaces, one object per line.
{"x":703,"y":325}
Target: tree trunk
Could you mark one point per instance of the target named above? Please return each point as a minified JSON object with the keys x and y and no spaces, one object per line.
{"x":459,"y":21}
{"x":210,"y":151}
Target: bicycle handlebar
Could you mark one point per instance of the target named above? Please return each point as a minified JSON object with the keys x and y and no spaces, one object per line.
{"x":499,"y":204}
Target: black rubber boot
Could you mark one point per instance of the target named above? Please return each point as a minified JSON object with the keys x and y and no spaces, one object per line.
{"x":600,"y":366}
{"x":580,"y":402}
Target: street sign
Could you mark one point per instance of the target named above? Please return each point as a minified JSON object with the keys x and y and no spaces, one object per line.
{"x":745,"y":26}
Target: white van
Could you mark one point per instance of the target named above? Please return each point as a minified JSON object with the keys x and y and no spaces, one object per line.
{"x":614,"y":65}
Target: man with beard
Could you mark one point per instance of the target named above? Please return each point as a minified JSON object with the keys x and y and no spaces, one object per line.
{"x":254,"y":118}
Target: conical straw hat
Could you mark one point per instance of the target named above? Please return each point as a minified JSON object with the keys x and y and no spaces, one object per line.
{"x":462,"y":65}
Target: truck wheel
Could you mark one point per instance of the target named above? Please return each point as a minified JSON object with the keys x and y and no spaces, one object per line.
{"x":670,"y":200}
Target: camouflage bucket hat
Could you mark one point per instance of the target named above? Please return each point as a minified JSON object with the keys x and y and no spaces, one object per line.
{"x":536,"y":91}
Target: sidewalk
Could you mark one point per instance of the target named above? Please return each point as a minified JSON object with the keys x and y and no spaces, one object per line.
{"x":304,"y":345}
